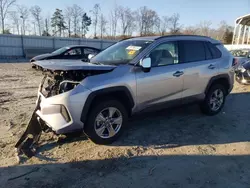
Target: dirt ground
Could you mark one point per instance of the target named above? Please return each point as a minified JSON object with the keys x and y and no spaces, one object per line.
{"x":171,"y":148}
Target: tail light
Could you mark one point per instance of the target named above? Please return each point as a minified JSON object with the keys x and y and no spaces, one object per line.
{"x":235,"y":62}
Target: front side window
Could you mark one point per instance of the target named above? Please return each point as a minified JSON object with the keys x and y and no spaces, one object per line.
{"x":60,"y":50}
{"x":74,"y":52}
{"x":121,"y":52}
{"x":192,"y":51}
{"x":164,"y":54}
{"x":88,"y":51}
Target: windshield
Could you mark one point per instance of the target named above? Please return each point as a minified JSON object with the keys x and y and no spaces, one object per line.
{"x":121,"y":52}
{"x":240,"y":53}
{"x":60,"y":50}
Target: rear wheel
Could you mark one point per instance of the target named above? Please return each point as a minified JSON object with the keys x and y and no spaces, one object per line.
{"x":106,"y":122}
{"x":214,"y":101}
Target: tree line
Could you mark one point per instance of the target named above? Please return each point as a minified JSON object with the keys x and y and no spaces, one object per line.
{"x":121,"y":22}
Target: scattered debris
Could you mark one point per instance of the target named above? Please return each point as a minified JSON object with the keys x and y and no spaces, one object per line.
{"x":151,"y":170}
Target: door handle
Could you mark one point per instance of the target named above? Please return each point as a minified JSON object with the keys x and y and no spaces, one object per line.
{"x":211,"y":66}
{"x":178,"y":73}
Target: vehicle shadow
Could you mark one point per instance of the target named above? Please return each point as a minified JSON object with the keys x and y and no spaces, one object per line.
{"x":136,"y":171}
{"x":188,"y":126}
{"x":175,"y":127}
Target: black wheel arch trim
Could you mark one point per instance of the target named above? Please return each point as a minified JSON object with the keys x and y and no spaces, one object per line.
{"x":102,"y":92}
{"x":215,"y":78}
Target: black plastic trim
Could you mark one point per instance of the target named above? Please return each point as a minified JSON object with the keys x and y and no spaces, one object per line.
{"x":102,"y":92}
{"x":215,"y":78}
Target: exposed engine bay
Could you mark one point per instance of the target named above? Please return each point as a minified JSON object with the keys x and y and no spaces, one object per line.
{"x":53,"y":83}
{"x":57,"y":82}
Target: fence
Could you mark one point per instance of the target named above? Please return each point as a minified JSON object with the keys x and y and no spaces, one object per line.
{"x":18,"y":46}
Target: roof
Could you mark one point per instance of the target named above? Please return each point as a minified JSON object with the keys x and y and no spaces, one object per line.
{"x":72,"y":46}
{"x":244,"y":20}
{"x":188,"y":37}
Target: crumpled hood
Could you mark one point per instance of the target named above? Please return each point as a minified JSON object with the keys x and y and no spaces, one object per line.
{"x":67,"y":65}
{"x":41,"y":57}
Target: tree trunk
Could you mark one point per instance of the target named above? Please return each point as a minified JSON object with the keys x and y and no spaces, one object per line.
{"x":69,"y":32}
{"x":23,"y":27}
{"x":3,"y":25}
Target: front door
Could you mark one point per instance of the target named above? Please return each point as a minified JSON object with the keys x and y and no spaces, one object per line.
{"x":164,"y":82}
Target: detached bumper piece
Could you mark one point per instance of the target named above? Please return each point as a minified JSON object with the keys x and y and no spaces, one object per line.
{"x":26,"y":144}
{"x":243,"y":77}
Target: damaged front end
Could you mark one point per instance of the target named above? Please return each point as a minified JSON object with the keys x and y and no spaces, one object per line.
{"x":54,"y":83}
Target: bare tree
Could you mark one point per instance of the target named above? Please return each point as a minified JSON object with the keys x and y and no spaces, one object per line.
{"x":221,"y":30}
{"x":4,"y":10}
{"x":36,"y":13}
{"x":24,"y":14}
{"x":191,"y":30}
{"x":16,"y":20}
{"x":162,"y":25}
{"x":114,"y":16}
{"x":46,"y":27}
{"x":204,"y":28}
{"x":76,"y":15}
{"x":102,"y":25}
{"x":131,"y":24}
{"x":96,"y":11}
{"x":141,"y":17}
{"x":68,"y":18}
{"x":174,"y":25}
{"x":147,"y":20}
{"x":127,"y":19}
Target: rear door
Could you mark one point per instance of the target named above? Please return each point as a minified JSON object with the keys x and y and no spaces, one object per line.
{"x":200,"y":62}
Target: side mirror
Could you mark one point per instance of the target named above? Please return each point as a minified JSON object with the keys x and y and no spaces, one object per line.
{"x":146,"y":64}
{"x":90,"y":56}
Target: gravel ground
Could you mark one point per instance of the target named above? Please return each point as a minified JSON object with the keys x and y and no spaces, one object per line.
{"x":170,"y":148}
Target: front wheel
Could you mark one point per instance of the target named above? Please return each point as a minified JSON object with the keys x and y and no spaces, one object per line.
{"x":106,"y":122}
{"x":214,"y":101}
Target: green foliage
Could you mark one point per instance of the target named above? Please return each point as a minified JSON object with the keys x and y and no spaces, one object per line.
{"x":86,"y":22}
{"x":45,"y":34}
{"x":7,"y":31}
{"x":228,"y":36}
{"x":57,"y":22}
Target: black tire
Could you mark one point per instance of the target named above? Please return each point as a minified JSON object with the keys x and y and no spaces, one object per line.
{"x":98,"y":107}
{"x":205,"y":105}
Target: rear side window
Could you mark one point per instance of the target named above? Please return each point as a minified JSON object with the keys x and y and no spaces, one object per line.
{"x":191,"y":51}
{"x":214,"y":50}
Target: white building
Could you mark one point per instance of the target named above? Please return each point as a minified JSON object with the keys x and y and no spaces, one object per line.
{"x":241,"y":36}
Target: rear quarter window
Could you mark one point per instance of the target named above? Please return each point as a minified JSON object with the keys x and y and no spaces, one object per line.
{"x":216,"y":53}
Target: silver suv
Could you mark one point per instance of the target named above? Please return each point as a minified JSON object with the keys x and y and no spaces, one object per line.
{"x":132,"y":76}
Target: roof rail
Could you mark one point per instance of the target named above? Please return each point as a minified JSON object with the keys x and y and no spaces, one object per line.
{"x":166,"y":36}
{"x":127,"y":39}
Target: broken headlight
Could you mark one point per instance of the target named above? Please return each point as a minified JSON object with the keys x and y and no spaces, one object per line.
{"x":67,"y":86}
